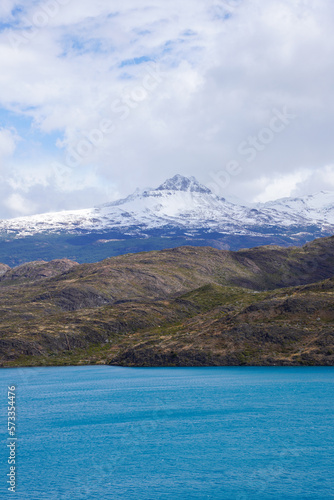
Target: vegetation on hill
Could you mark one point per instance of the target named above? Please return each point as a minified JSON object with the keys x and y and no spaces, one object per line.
{"x":188,"y":306}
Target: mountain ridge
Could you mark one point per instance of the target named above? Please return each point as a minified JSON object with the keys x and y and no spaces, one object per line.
{"x":205,"y":208}
{"x":178,"y":212}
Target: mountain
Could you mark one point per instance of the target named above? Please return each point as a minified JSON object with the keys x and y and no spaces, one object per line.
{"x":179,"y":211}
{"x":185,"y":306}
{"x":313,"y":209}
{"x":36,"y":270}
{"x":179,"y":203}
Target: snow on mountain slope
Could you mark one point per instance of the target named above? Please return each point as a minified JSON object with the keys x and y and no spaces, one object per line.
{"x":317,"y":208}
{"x":183,"y":203}
{"x":178,"y":201}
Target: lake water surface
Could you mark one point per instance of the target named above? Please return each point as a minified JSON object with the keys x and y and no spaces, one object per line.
{"x":170,"y":433}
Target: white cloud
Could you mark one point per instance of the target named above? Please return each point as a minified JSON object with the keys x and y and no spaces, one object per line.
{"x":320,"y":179}
{"x":19,"y":205}
{"x":6,"y":8}
{"x":281,"y":186}
{"x":224,"y":66}
{"x":8,"y":142}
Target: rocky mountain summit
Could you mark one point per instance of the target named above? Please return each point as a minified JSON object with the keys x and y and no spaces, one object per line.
{"x":181,"y":183}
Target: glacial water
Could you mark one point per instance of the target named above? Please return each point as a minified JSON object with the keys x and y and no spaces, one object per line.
{"x":170,"y":433}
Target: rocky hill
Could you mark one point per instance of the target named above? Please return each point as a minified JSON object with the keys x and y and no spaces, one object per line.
{"x":3,"y":269}
{"x":179,"y":307}
{"x":35,"y":271}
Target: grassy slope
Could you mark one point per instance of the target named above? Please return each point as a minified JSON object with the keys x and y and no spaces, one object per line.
{"x":186,"y":306}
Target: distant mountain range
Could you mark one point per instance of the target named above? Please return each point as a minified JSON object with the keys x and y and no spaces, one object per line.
{"x":180,"y":211}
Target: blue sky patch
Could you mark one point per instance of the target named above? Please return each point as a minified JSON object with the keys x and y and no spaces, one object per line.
{"x":83,"y":46}
{"x":24,"y":125}
{"x":135,"y":61}
{"x":6,"y":26}
{"x":189,"y":33}
{"x":17,"y":10}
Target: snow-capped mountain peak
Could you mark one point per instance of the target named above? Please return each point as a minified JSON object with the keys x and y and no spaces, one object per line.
{"x":181,"y":183}
{"x":183,"y":204}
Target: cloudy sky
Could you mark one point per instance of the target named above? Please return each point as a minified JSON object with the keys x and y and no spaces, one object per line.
{"x":98,"y":98}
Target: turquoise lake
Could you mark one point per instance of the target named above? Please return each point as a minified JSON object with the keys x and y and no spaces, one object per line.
{"x":170,"y":433}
